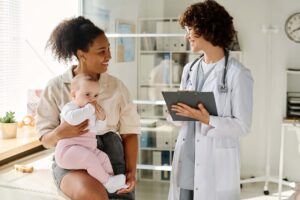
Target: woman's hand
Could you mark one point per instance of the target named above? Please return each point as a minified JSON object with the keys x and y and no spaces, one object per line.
{"x":65,"y":130}
{"x":130,"y":181}
{"x":200,"y":114}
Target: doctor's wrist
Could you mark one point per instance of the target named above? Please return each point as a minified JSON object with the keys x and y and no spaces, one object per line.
{"x":205,"y":120}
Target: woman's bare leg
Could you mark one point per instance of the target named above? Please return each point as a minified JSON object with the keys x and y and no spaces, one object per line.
{"x":80,"y":185}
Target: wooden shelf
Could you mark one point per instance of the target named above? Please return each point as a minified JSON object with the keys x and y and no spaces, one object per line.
{"x":13,"y":147}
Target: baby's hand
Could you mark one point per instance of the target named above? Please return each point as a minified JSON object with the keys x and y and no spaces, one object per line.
{"x":100,"y":114}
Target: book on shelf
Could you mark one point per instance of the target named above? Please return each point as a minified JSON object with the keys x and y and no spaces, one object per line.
{"x":162,"y":43}
{"x":157,"y":160}
{"x":177,"y":43}
{"x":147,"y":139}
{"x":147,"y":63}
{"x":165,"y":160}
{"x":148,"y":44}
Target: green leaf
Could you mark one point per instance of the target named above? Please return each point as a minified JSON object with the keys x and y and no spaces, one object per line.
{"x":8,"y":118}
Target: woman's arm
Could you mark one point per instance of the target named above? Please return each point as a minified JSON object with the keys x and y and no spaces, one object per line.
{"x":130,"y":144}
{"x":64,"y":130}
{"x":129,"y":128}
{"x":48,"y":117}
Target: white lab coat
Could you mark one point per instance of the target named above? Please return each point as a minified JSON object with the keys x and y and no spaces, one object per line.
{"x":217,"y":162}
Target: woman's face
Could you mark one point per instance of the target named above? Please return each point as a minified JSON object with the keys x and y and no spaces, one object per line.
{"x":98,"y":56}
{"x":196,"y":41}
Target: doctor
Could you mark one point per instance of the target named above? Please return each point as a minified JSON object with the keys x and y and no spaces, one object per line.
{"x":206,"y":160}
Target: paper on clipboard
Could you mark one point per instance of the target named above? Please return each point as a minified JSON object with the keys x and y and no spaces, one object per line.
{"x":192,"y":99}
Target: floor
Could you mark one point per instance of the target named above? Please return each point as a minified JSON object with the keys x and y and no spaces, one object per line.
{"x":251,"y":191}
{"x":39,"y":184}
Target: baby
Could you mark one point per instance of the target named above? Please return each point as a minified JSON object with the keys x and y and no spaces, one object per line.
{"x":81,"y":152}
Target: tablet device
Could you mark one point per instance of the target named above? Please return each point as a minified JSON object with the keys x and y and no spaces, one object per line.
{"x":192,"y":99}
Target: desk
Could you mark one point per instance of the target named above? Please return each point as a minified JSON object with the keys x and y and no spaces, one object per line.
{"x":287,"y":125}
{"x":15,"y":146}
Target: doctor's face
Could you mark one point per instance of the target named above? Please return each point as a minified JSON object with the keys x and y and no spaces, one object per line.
{"x":196,"y":41}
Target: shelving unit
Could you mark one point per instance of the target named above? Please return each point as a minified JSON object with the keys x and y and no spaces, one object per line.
{"x":162,"y":54}
{"x":157,"y":142}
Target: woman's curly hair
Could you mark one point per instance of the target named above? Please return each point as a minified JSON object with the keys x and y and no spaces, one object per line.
{"x":71,"y":35}
{"x":211,"y":21}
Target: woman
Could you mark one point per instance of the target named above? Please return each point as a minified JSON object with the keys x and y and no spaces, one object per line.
{"x":206,"y":159}
{"x":80,"y":38}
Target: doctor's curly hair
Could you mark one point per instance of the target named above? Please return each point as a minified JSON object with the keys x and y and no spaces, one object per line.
{"x":211,"y":21}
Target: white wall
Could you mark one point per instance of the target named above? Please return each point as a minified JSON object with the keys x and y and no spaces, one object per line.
{"x":285,"y":55}
{"x":40,"y":18}
{"x":267,"y":61}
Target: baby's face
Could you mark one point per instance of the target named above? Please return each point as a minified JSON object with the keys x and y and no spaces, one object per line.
{"x":87,"y":92}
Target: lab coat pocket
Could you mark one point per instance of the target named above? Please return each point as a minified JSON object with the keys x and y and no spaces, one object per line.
{"x":226,"y":169}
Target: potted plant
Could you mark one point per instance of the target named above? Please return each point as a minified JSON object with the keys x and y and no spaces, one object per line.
{"x":8,"y":126}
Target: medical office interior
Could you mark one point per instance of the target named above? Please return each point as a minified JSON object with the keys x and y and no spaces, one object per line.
{"x":148,"y":54}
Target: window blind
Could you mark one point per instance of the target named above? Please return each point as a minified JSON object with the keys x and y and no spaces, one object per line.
{"x":10,"y":54}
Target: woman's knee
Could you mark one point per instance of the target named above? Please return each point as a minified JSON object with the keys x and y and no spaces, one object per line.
{"x":79,"y":185}
{"x":89,"y":192}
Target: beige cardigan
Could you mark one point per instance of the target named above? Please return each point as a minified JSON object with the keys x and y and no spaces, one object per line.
{"x":121,"y":113}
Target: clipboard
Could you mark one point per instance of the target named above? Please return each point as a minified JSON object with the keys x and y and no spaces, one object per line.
{"x":192,"y":99}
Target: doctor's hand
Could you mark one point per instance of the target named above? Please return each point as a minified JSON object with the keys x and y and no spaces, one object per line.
{"x":200,"y":114}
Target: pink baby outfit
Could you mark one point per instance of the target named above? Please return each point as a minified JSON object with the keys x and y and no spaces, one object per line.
{"x":81,"y":152}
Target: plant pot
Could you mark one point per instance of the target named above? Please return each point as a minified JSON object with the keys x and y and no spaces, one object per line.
{"x":8,"y":130}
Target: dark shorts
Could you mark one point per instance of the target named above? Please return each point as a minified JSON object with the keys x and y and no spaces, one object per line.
{"x":112,"y":145}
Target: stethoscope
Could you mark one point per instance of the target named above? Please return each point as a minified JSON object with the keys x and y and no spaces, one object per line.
{"x":222,"y":87}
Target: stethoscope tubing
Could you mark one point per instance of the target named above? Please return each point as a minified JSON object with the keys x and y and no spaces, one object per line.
{"x":223,"y":87}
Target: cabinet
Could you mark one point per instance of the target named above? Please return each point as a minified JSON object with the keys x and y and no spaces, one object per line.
{"x":162,"y":54}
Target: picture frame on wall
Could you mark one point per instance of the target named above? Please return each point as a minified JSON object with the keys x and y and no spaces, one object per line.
{"x":125,"y":46}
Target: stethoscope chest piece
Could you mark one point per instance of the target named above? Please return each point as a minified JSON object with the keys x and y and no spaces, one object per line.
{"x":222,"y":88}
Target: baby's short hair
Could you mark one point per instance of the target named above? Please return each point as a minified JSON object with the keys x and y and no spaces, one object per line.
{"x":81,"y":77}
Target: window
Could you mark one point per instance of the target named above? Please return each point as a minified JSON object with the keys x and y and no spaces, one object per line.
{"x":10,"y":53}
{"x":25,"y":27}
